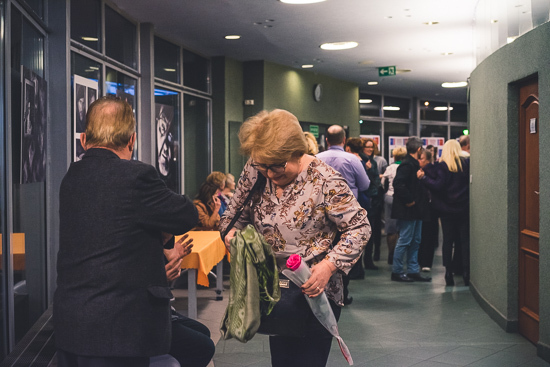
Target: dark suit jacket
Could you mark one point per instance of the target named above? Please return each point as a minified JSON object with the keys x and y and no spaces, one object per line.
{"x":112,"y":296}
{"x":407,"y":188}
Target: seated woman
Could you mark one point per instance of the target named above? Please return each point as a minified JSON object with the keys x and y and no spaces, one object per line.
{"x":208,"y":205}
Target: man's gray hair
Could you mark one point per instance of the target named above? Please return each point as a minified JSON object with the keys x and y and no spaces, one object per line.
{"x":413,"y":144}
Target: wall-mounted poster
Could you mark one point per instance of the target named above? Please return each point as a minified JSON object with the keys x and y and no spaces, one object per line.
{"x":85,"y":93}
{"x":166,"y":154}
{"x":33,"y":127}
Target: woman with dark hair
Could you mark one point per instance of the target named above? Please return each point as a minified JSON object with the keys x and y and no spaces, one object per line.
{"x":208,"y":205}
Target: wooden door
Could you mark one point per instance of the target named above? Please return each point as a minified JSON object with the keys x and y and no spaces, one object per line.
{"x":529,"y":211}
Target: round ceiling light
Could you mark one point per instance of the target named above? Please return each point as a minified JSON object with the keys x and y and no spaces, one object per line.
{"x":339,"y":45}
{"x":454,"y":84}
{"x":232,"y":37}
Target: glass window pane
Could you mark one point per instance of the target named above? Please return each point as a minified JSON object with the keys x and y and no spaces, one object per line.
{"x":37,"y":6}
{"x":86,"y":79}
{"x":370,"y":104}
{"x":395,"y":107}
{"x":28,"y":127}
{"x":196,"y":71}
{"x":167,"y":131}
{"x":86,"y":23}
{"x":459,"y":112}
{"x":120,"y":38}
{"x":433,"y":131}
{"x":370,"y":127}
{"x":196,"y":117}
{"x":123,"y":86}
{"x":433,"y":110}
{"x":167,"y":57}
{"x":458,"y":131}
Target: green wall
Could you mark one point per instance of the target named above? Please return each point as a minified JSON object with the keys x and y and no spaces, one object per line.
{"x":273,"y":86}
{"x":494,"y":191}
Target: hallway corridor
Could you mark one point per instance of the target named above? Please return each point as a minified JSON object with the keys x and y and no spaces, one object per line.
{"x":399,"y":324}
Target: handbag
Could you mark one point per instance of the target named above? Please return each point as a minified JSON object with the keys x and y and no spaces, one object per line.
{"x":290,"y":316}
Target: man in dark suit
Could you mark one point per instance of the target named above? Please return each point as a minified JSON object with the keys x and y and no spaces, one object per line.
{"x":111,"y":305}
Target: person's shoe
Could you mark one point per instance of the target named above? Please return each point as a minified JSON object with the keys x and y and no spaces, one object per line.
{"x":426,"y":269}
{"x":449,"y":280}
{"x":348,"y":301}
{"x":419,"y":278}
{"x":400,"y":277}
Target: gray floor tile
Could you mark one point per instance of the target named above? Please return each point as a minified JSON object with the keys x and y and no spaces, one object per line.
{"x":392,"y":324}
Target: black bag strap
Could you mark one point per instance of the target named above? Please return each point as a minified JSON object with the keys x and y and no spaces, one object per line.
{"x":258,"y":185}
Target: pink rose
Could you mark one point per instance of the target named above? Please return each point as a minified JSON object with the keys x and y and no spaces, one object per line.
{"x":294,"y":262}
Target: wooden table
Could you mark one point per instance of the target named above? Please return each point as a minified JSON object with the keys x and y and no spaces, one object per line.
{"x":18,"y":246}
{"x":208,"y":251}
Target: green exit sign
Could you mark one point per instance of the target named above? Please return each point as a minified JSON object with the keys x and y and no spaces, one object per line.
{"x":387,"y":71}
{"x":314,"y":129}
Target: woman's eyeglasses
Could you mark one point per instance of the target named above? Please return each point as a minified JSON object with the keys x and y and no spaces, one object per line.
{"x":275,"y":168}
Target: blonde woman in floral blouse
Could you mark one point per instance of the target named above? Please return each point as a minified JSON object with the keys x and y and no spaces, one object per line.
{"x":302,"y":207}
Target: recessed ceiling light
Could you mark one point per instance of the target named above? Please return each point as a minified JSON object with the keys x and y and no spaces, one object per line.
{"x":430,"y":23}
{"x":402,"y":71}
{"x":426,"y":103}
{"x":366,"y":62}
{"x":94,"y":68}
{"x":372,"y":83}
{"x":365,"y":100}
{"x":232,"y":37}
{"x":454,"y":84}
{"x":90,"y":39}
{"x":170,"y":70}
{"x":494,"y":20}
{"x":446,"y":53}
{"x":442,"y":108}
{"x":301,"y":1}
{"x":307,"y":66}
{"x":339,"y":45}
{"x":391,"y":108}
{"x":388,"y":17}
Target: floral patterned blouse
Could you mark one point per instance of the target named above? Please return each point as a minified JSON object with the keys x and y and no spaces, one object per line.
{"x":306,"y":219}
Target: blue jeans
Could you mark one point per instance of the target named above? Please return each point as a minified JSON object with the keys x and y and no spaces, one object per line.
{"x":410,"y":234}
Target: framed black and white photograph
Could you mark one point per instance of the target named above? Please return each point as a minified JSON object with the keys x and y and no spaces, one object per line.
{"x":85,"y":92}
{"x":33,"y":127}
{"x":166,"y":156}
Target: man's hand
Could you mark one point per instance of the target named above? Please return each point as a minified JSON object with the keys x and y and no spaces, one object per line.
{"x":420,"y":174}
{"x":368,"y":164}
{"x":175,"y":255}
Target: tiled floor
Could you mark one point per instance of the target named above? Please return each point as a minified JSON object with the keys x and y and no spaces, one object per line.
{"x":394,"y":324}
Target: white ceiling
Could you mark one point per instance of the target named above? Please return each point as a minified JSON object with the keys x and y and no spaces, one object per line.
{"x":389,"y":32}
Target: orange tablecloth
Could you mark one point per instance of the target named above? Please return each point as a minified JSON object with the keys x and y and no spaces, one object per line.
{"x":208,"y":250}
{"x":18,"y":244}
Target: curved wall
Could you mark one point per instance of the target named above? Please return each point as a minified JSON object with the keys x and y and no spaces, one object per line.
{"x":493,"y":108}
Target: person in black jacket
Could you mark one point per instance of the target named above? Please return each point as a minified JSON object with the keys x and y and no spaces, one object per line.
{"x":112,"y":302}
{"x":410,"y":207}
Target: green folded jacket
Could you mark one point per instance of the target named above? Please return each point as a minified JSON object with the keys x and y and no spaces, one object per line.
{"x":254,"y":285}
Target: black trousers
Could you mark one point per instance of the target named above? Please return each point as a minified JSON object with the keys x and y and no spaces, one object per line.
{"x":429,"y":241}
{"x":310,"y":351}
{"x":191,"y":343}
{"x":456,"y":229}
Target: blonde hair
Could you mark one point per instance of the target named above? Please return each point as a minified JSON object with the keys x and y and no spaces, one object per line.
{"x":110,"y":123}
{"x":217,"y":178}
{"x":312,"y":147}
{"x":399,"y":153}
{"x":451,"y":155}
{"x":272,"y":137}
